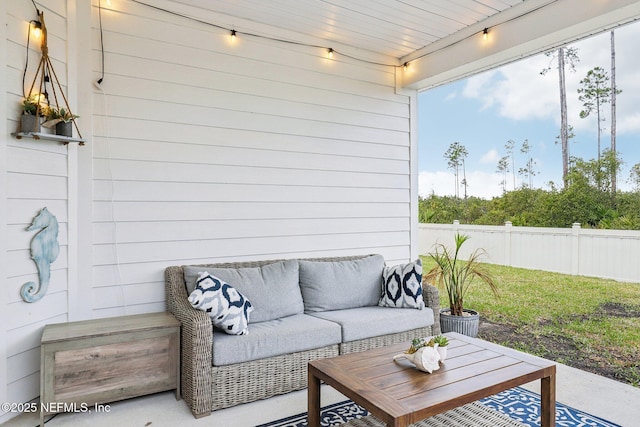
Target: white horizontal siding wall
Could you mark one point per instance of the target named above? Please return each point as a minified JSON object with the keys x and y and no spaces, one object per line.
{"x":198,"y":150}
{"x":610,"y":254}
{"x":35,"y":175}
{"x":207,"y":150}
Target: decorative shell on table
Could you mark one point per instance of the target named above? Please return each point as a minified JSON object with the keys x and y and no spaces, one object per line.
{"x":425,"y":358}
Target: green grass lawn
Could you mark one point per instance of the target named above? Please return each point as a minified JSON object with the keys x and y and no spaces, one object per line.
{"x":589,"y":323}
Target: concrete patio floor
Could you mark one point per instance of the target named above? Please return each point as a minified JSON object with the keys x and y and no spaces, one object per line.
{"x":605,"y":398}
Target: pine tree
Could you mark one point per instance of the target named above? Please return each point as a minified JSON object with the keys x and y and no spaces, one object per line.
{"x":564,"y":56}
{"x":528,"y":171}
{"x":614,"y":92}
{"x":594,"y":93}
{"x":634,"y":177}
{"x":455,"y":154}
{"x":509,"y":146}
{"x":503,"y":169}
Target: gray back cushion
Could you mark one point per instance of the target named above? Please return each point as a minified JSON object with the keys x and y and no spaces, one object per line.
{"x":272,"y":289}
{"x":336,"y":285}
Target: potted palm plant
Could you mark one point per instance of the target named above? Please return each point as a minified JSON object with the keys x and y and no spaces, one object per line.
{"x":456,"y":277}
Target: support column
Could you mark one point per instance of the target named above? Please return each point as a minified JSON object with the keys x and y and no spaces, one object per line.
{"x":80,"y":162}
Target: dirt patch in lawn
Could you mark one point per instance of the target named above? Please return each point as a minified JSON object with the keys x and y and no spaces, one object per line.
{"x":564,"y":349}
{"x":615,"y":309}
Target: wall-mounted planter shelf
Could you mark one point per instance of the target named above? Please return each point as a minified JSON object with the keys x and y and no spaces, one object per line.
{"x":48,"y":136}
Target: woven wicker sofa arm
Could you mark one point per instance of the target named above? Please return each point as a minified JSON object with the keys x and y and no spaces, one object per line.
{"x":195,"y":346}
{"x":431,"y":297}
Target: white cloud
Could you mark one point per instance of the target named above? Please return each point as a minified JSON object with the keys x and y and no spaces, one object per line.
{"x":451,"y":96}
{"x":630,"y":123}
{"x":504,"y":88}
{"x":476,"y":88}
{"x":439,"y":183}
{"x":490,"y":156}
{"x":514,"y":94}
{"x":481,"y":184}
{"x":519,"y":92}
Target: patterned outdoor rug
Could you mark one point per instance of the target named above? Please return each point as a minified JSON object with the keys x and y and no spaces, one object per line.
{"x":518,"y":403}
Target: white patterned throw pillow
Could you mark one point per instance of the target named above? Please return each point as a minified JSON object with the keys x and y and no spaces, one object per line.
{"x":402,"y":286}
{"x":229,"y":309}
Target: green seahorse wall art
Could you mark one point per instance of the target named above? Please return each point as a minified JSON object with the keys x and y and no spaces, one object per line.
{"x":44,"y":250}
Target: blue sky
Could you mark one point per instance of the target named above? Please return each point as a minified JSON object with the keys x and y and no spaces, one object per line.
{"x":515,"y":102}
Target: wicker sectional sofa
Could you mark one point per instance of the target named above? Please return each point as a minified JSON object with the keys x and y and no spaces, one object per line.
{"x":220,"y":370}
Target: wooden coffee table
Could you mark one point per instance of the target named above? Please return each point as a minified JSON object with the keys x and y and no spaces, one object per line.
{"x":399,"y":395}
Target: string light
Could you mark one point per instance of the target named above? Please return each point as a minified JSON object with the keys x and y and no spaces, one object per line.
{"x":405,"y":65}
{"x":330,"y":51}
{"x":485,"y":32}
{"x":233,"y":35}
{"x":37,"y":28}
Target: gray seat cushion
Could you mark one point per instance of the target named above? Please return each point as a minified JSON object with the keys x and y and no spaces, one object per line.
{"x":368,"y":322}
{"x":336,"y":285}
{"x":275,"y":337}
{"x":272,"y":289}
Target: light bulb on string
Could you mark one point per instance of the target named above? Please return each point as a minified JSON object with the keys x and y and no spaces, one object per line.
{"x":37,"y":28}
{"x":405,"y":65}
{"x":233,"y":35}
{"x":485,"y":34}
{"x":330,"y":53}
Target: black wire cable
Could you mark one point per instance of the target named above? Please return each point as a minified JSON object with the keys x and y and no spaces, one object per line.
{"x":292,"y":42}
{"x":484,"y":30}
{"x":26,"y":61}
{"x":334,"y":50}
{"x":232,"y":30}
{"x":101,"y":42}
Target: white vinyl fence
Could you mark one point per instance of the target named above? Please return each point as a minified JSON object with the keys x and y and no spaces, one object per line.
{"x":610,"y":254}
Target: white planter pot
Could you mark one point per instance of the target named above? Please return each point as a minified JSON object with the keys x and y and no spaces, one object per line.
{"x":442,"y":351}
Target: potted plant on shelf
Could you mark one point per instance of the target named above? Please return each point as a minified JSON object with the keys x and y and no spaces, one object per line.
{"x":456,"y":276}
{"x":31,"y":113}
{"x":62,"y":119}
